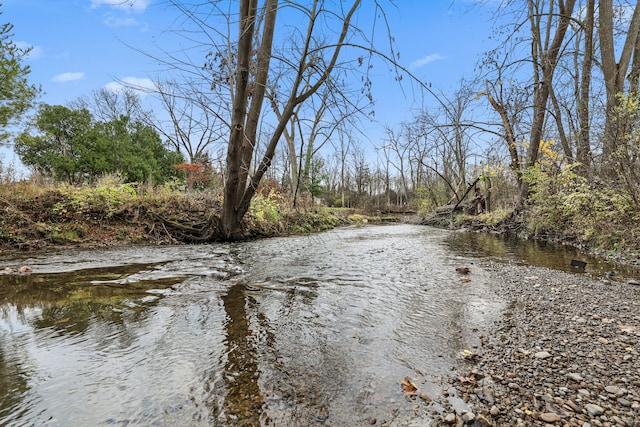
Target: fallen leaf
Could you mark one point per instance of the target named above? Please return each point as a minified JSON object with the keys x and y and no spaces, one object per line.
{"x":408,"y":386}
{"x":469,"y":355}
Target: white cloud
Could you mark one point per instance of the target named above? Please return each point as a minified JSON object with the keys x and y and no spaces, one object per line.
{"x":67,"y":77}
{"x":34,"y":53}
{"x":426,"y":60}
{"x":139,"y":84}
{"x":133,"y":5}
{"x":112,"y":21}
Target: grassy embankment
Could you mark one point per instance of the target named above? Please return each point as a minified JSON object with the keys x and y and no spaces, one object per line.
{"x":112,"y":213}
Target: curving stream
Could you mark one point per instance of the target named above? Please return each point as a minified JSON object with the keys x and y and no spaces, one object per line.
{"x":293,"y":331}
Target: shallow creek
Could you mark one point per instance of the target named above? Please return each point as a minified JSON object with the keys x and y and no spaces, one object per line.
{"x":304,"y":330}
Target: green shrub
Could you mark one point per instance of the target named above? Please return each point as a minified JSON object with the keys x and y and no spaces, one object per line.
{"x":567,"y":206}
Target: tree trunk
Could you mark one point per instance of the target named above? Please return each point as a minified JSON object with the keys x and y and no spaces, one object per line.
{"x":509,"y":135}
{"x":583,"y":143}
{"x":244,"y":124}
{"x":545,"y":59}
{"x":614,"y":73}
{"x":241,"y":182}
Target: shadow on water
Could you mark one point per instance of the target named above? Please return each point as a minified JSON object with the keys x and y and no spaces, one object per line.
{"x":532,"y":252}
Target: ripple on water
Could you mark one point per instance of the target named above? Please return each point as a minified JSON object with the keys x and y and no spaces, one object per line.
{"x":298,"y":329}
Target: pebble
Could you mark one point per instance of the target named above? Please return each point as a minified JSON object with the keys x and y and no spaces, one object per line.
{"x":575,"y":377}
{"x":425,"y":397}
{"x":468,"y":417}
{"x":614,"y":390}
{"x":542,"y":355}
{"x":567,"y":354}
{"x":550,"y":417}
{"x":593,"y":409}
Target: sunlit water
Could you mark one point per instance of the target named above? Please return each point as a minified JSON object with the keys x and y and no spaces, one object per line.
{"x":294,"y":331}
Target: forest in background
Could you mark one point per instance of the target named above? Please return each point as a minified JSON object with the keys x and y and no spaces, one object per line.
{"x":546,"y":136}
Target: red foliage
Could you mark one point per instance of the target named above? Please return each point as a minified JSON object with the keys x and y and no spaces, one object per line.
{"x":267,"y":187}
{"x":189,"y":167}
{"x":195,"y":173}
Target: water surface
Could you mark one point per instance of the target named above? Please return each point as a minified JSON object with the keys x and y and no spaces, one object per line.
{"x":307,"y":330}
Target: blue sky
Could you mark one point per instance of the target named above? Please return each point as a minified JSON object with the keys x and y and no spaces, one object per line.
{"x":84,"y":45}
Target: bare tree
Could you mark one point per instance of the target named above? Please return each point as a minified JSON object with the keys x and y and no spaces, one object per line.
{"x":583,"y":142}
{"x":311,"y":68}
{"x":107,"y":105}
{"x":195,"y":125}
{"x":313,"y":124}
{"x":547,"y":23}
{"x":396,"y":153}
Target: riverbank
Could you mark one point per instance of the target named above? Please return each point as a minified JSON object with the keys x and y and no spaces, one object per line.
{"x":566,"y":353}
{"x":113,"y":214}
{"x":615,"y":242}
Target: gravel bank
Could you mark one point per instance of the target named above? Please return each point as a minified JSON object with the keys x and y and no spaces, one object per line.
{"x":565,"y":353}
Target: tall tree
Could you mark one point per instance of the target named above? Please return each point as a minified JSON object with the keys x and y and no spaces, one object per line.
{"x":311,"y":69}
{"x":583,"y":142}
{"x":548,"y":22}
{"x":16,"y":94}
{"x":545,"y":49}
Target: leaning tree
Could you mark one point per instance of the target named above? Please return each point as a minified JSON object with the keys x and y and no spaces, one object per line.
{"x":311,"y":67}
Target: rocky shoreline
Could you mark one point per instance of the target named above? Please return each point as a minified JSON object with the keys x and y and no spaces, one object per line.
{"x":565,"y":353}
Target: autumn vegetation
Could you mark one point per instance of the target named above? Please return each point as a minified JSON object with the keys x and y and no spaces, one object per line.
{"x":264,"y":139}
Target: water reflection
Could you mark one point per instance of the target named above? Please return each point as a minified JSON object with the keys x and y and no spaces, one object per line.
{"x":531,"y":252}
{"x":292,"y":331}
{"x":243,"y":400}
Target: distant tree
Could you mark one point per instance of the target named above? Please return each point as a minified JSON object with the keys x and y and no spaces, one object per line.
{"x":106,"y":105}
{"x":135,"y":151}
{"x":57,"y":148}
{"x":194,"y":125}
{"x":71,"y":147}
{"x":16,"y":94}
